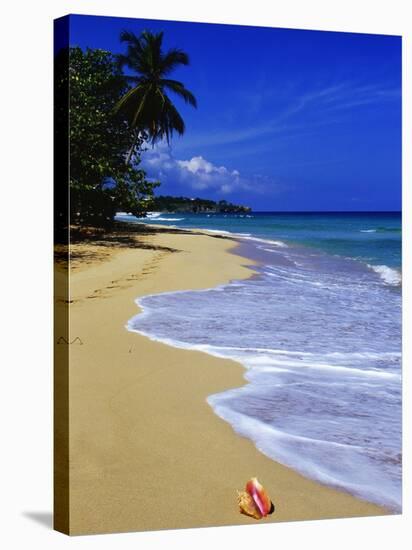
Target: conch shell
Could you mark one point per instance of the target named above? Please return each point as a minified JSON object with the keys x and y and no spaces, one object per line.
{"x":254,"y":501}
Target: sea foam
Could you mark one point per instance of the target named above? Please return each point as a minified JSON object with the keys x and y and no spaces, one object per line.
{"x":389,"y":275}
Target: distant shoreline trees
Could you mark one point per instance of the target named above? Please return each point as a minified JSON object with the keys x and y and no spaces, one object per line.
{"x":167,"y":203}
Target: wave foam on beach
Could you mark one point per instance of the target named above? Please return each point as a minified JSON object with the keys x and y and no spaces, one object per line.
{"x":389,"y":275}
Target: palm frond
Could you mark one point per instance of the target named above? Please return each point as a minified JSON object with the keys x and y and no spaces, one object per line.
{"x":140,"y":109}
{"x":179,"y":89}
{"x":172,"y":59}
{"x":134,"y":57}
{"x":151,"y":50}
{"x":131,"y":39}
{"x":169,"y":121}
{"x":134,"y":95}
{"x":174,"y":122}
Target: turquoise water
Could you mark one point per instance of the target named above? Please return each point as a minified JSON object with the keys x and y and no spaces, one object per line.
{"x":374,"y":237}
{"x":318,"y":330}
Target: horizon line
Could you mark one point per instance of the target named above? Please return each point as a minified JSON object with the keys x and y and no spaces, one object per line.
{"x":329,"y":211}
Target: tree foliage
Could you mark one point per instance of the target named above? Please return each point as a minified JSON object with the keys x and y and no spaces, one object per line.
{"x":167,"y":203}
{"x":100,"y":181}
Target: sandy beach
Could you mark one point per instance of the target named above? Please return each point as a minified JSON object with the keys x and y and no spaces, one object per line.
{"x":146,"y":451}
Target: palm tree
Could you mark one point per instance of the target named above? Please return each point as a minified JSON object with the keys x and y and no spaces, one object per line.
{"x":146,"y":106}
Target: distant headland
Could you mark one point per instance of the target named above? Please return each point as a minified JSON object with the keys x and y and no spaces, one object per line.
{"x":166,"y":203}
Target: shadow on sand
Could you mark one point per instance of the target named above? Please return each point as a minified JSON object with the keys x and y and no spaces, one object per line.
{"x":121,"y":235}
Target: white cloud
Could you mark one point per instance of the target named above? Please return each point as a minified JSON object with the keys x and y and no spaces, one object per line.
{"x":196,"y":173}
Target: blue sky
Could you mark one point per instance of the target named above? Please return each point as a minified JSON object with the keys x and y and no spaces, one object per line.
{"x":286,"y":119}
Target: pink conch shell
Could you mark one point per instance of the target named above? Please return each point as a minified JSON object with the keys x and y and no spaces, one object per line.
{"x":247,"y":505}
{"x":255,"y":501}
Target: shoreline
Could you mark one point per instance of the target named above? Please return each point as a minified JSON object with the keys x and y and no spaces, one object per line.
{"x":389,"y":274}
{"x":125,"y":462}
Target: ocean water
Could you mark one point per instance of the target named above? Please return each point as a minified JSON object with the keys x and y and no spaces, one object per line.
{"x":374,"y":237}
{"x":318,"y":330}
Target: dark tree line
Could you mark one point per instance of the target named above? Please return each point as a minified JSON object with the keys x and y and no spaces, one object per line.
{"x":98,"y":139}
{"x":167,"y":203}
